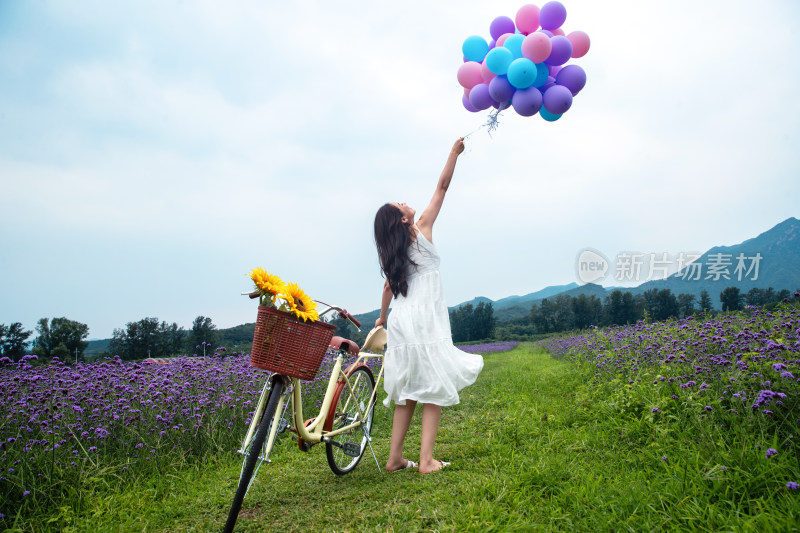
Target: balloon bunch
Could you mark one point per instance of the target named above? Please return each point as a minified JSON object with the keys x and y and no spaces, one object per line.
{"x":524,"y":64}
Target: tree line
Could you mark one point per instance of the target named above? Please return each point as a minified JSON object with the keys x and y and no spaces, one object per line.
{"x":472,"y":323}
{"x":150,"y":338}
{"x":66,"y":339}
{"x":565,"y":312}
{"x":61,"y":337}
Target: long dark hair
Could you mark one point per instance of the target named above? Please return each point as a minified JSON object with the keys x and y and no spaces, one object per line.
{"x":392,"y":238}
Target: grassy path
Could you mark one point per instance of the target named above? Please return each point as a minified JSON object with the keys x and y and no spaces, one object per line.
{"x":525,"y":456}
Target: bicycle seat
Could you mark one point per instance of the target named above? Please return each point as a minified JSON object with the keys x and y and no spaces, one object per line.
{"x":345,"y":345}
{"x":376,"y":339}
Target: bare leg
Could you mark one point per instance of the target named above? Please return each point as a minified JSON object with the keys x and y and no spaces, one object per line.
{"x":431,"y":414}
{"x":402,"y":419}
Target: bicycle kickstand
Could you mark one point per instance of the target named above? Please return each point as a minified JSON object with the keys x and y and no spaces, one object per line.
{"x":369,"y":443}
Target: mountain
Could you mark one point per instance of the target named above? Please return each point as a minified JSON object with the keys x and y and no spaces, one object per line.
{"x":514,"y":307}
{"x":534,"y":296}
{"x":770,"y":260}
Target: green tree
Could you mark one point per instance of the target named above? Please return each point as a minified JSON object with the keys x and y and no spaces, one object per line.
{"x":147,"y":338}
{"x":731,"y":299}
{"x":137,"y":341}
{"x":660,"y":304}
{"x":483,"y":321}
{"x":52,"y":334}
{"x":706,"y":304}
{"x":564,"y":317}
{"x":460,"y":319}
{"x":171,"y":339}
{"x":468,"y":323}
{"x":756,"y":297}
{"x":620,"y":308}
{"x":13,"y":340}
{"x":587,"y":311}
{"x":686,"y":304}
{"x":540,"y":316}
{"x":203,"y":331}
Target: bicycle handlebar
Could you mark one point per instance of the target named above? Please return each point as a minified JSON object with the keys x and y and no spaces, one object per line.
{"x":342,"y":312}
{"x":350,"y":317}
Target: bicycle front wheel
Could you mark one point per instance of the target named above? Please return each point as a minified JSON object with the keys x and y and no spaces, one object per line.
{"x":352,"y":406}
{"x":253,"y":453}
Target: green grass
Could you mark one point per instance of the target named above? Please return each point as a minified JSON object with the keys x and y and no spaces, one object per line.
{"x":529,"y":452}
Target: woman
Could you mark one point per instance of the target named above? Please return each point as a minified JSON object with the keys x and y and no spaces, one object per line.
{"x":421,"y":364}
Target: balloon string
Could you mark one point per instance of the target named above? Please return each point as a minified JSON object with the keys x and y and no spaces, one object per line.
{"x":492,"y":123}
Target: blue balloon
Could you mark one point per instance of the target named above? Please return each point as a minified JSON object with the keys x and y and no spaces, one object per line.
{"x":542,"y":72}
{"x":475,"y":48}
{"x":514,"y":43}
{"x":547,"y":115}
{"x":522,"y":73}
{"x":498,"y":59}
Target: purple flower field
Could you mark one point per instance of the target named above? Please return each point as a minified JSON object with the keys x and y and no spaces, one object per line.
{"x":61,"y":425}
{"x":733,"y":380}
{"x":489,"y":347}
{"x":751,"y":360}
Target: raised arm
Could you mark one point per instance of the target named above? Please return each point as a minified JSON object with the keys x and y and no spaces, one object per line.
{"x":428,"y":217}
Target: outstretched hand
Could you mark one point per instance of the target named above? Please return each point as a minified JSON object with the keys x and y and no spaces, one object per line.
{"x":458,"y":146}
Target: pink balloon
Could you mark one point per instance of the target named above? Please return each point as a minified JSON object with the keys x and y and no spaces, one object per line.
{"x":502,"y":39}
{"x":486,"y":74}
{"x":527,"y":19}
{"x":580,"y":43}
{"x":558,"y":31}
{"x":469,"y":74}
{"x":536,"y":47}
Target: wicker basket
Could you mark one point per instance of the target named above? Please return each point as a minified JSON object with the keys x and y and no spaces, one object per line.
{"x":286,"y":345}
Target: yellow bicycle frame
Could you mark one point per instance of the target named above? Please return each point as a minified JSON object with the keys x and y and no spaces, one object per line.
{"x":314,"y":433}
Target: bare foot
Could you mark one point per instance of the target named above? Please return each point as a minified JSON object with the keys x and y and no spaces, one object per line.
{"x":433,"y":466}
{"x":400,"y":465}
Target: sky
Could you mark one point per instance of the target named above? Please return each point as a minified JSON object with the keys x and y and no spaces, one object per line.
{"x":152,"y":153}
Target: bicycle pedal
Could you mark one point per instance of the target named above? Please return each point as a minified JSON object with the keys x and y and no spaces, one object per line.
{"x":282,"y":425}
{"x":351,"y":449}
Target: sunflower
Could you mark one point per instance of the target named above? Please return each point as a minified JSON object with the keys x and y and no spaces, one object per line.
{"x":299,"y":302}
{"x":266,"y":283}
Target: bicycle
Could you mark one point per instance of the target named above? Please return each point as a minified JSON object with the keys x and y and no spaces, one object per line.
{"x":345,"y":416}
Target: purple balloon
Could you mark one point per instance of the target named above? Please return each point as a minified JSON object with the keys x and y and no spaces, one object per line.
{"x":561,"y":52}
{"x":572,"y":77}
{"x":552,"y":15}
{"x":467,"y":104}
{"x":501,"y":25}
{"x":500,"y":89}
{"x":553,"y":70}
{"x":549,"y":83}
{"x":548,"y":33}
{"x":527,"y":102}
{"x":480,"y":98}
{"x":557,"y":99}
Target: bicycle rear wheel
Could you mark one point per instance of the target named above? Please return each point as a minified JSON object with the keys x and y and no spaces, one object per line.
{"x":351,"y":406}
{"x":253,"y":453}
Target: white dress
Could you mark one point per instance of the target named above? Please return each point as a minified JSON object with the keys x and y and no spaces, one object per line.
{"x":421,"y":363}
